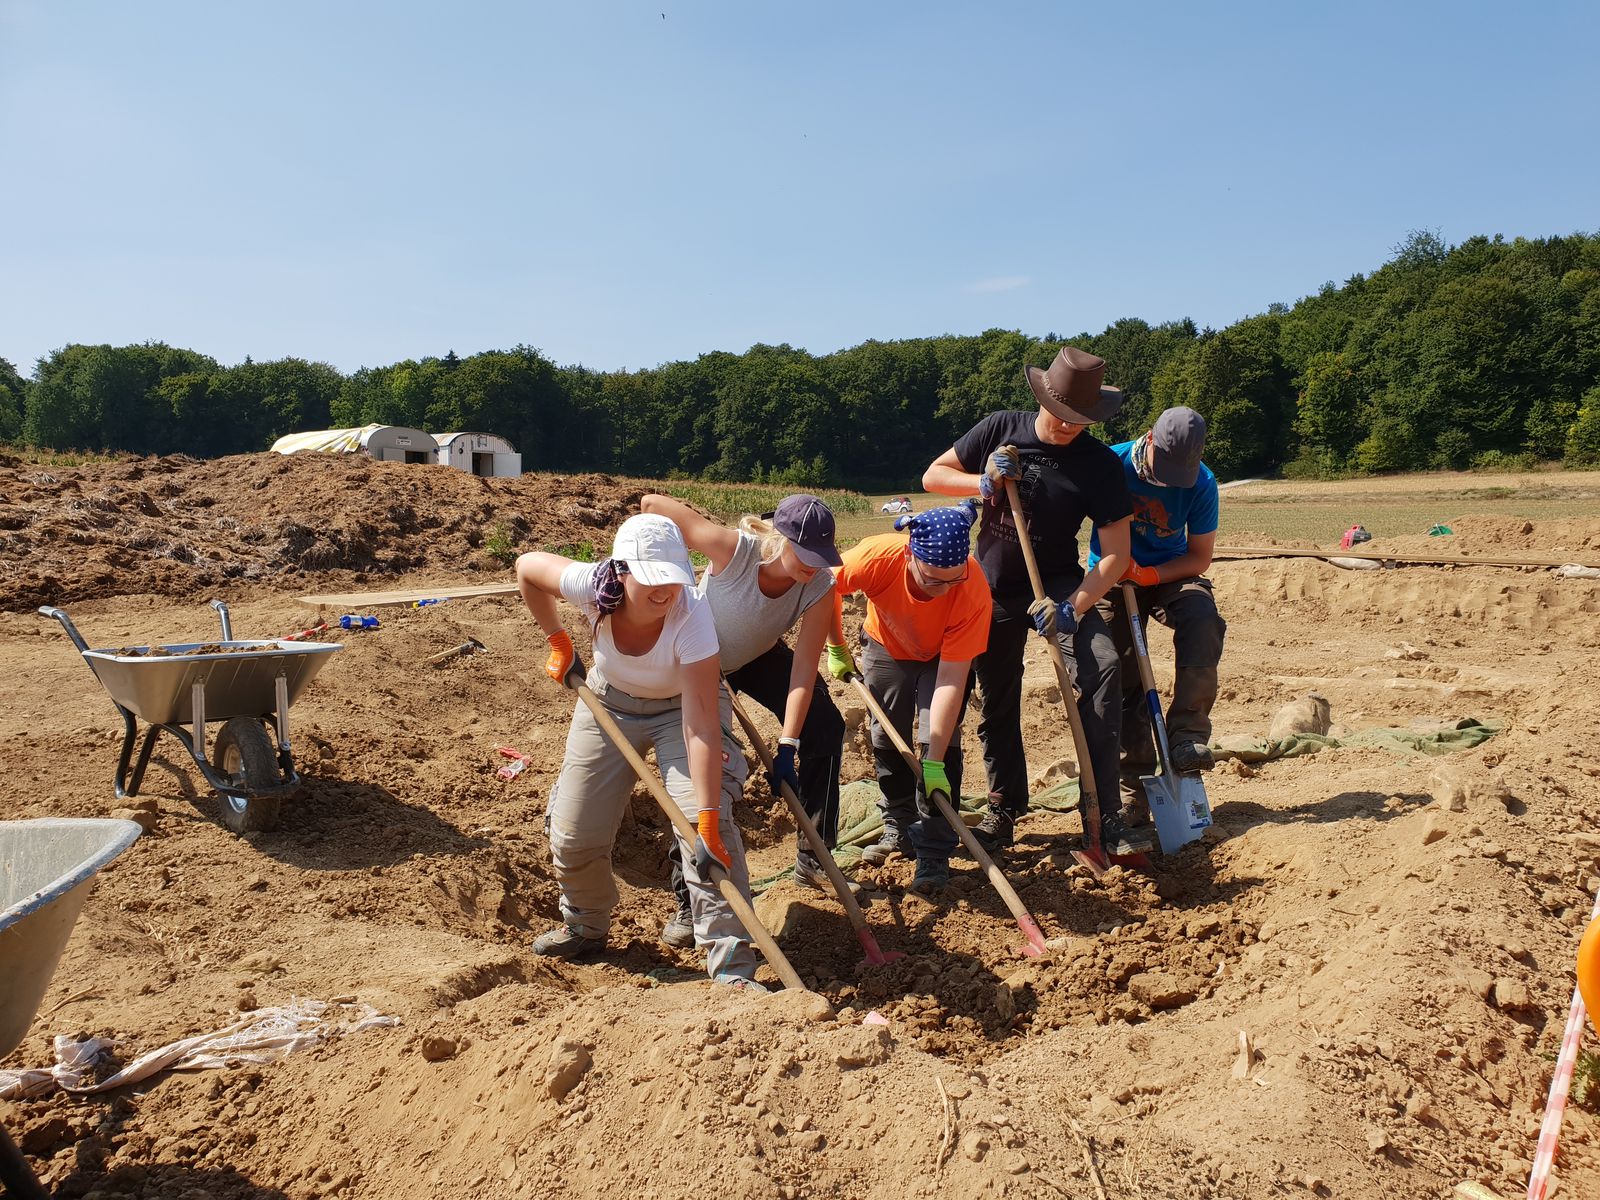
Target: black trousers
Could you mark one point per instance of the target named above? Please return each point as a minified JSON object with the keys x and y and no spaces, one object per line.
{"x":1091,"y":656}
{"x":905,"y":689}
{"x":765,"y":679}
{"x":1188,"y":608}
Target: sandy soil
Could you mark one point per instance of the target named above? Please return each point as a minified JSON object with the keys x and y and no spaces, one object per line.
{"x":1395,"y":934}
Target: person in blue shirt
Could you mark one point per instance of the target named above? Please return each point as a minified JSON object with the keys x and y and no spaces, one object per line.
{"x":1174,"y":534}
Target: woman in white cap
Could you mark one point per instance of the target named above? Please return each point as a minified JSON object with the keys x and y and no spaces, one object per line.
{"x":765,"y":578}
{"x":656,"y":670}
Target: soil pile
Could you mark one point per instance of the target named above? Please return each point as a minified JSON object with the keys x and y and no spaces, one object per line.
{"x":174,"y":525}
{"x":1392,"y":934}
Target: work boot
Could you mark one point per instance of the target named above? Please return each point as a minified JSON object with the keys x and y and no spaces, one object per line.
{"x":808,"y":872}
{"x":1117,"y":838}
{"x":1187,"y":757}
{"x":679,"y":931}
{"x":932,"y":877}
{"x":890,"y":842}
{"x":995,"y":831}
{"x":1136,"y":809}
{"x":567,"y":942}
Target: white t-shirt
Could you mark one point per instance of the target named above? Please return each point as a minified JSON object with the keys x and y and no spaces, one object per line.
{"x":689,"y":636}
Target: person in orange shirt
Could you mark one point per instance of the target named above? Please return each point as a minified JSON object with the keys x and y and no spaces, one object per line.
{"x":928,"y":613}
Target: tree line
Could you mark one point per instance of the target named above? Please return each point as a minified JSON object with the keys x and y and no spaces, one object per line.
{"x":1482,"y":354}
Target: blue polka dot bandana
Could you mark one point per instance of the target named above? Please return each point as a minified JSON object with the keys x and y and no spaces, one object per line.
{"x":941,"y":537}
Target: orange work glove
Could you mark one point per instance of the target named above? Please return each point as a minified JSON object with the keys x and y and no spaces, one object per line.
{"x":562,"y":657}
{"x":708,"y":846}
{"x":1140,"y":576}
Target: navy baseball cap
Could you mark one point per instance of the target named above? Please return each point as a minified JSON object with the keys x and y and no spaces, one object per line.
{"x":808,"y":523}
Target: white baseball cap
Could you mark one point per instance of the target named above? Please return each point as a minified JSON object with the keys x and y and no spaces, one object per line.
{"x":653,"y":548}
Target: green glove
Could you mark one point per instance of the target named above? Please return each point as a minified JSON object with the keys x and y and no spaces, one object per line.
{"x":840,"y":665}
{"x":934,"y":779}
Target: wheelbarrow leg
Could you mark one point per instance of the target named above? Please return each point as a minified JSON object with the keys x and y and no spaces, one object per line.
{"x":126,"y":785}
{"x":144,"y":761}
{"x":15,"y":1173}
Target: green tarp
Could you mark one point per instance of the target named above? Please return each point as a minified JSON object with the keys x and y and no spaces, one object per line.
{"x":860,"y":821}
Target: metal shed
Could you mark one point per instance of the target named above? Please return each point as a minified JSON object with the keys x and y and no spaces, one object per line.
{"x":478,"y":453}
{"x":389,"y":443}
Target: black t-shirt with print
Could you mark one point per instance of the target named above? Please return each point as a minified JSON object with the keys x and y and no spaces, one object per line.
{"x":1060,"y":486}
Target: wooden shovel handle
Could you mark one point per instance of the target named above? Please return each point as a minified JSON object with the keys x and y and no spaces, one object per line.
{"x":1030,"y":927}
{"x":841,"y":886}
{"x":1069,"y":694}
{"x":725,"y":885}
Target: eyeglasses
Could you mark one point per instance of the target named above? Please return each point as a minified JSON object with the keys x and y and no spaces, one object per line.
{"x":926,"y":581}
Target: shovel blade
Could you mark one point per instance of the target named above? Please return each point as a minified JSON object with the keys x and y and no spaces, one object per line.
{"x":1180,"y":808}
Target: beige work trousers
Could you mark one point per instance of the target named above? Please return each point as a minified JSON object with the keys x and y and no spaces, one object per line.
{"x":586,"y":809}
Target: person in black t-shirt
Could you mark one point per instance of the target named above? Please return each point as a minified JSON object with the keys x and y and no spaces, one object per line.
{"x":1063,"y":476}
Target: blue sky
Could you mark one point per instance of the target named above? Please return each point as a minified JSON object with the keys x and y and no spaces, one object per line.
{"x":624,"y":184}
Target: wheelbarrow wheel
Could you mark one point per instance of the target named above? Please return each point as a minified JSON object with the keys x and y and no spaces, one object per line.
{"x":245,"y":758}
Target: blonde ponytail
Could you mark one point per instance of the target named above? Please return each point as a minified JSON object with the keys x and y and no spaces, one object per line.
{"x":769,"y":541}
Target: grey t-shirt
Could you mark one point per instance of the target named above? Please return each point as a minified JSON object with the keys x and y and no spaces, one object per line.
{"x":749,"y":622}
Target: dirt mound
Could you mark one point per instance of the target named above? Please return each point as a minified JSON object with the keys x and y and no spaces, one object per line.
{"x":1393,"y":933}
{"x":174,"y":525}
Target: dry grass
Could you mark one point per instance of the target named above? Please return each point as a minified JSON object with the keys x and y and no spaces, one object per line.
{"x":1320,"y":511}
{"x":1402,"y":504}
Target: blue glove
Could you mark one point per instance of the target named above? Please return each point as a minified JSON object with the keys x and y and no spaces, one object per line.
{"x":1004,"y":463}
{"x":783,"y":771}
{"x":1052,"y":619}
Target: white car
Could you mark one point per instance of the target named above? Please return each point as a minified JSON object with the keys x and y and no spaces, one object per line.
{"x":899,"y":504}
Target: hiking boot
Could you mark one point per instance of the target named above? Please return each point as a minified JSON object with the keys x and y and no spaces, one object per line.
{"x":808,"y":872}
{"x":567,"y":942}
{"x":932,"y":877}
{"x":728,"y":979}
{"x":890,"y":842}
{"x":1117,"y":838}
{"x":679,"y":931}
{"x":1187,"y":757}
{"x":995,"y":831}
{"x":1136,"y":810}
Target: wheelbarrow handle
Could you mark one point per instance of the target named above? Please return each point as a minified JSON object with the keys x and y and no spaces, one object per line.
{"x":59,"y":614}
{"x":841,"y":886}
{"x":724,"y":883}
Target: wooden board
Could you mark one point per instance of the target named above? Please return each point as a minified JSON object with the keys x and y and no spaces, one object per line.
{"x":1395,"y":556}
{"x":408,"y":595}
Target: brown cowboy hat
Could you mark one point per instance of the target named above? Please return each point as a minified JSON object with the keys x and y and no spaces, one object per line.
{"x":1070,"y":390}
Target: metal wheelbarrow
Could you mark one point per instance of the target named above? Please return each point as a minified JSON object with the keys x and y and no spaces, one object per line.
{"x":242,"y":683}
{"x":46,"y":866}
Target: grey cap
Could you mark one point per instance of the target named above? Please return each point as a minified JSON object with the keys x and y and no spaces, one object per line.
{"x":1177,"y":440}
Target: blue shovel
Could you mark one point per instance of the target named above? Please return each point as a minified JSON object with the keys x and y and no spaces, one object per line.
{"x":1177,"y":802}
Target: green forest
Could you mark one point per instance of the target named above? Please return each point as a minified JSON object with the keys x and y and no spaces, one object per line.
{"x":1485,"y":354}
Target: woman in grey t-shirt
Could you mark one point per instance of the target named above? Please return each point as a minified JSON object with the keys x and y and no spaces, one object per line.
{"x":764,"y":579}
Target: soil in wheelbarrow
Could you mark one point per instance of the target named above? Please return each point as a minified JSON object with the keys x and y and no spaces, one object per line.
{"x":206,"y":648}
{"x":1392,"y":932}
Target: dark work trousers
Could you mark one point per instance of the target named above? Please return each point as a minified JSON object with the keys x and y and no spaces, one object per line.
{"x":1188,"y":608}
{"x":1092,"y":659}
{"x":765,"y":679}
{"x":904,"y":689}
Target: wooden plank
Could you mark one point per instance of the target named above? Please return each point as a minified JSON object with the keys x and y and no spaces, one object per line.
{"x":408,"y":595}
{"x":1395,"y":556}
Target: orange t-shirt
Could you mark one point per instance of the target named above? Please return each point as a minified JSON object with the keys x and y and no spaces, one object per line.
{"x":954,"y":626}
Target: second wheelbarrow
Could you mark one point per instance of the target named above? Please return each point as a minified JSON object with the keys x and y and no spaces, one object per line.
{"x":247,"y":685}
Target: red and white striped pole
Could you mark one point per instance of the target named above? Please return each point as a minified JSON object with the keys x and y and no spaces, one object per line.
{"x":1556,"y":1106}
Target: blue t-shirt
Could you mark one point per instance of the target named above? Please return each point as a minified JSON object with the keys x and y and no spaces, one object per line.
{"x":1163,"y":517}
